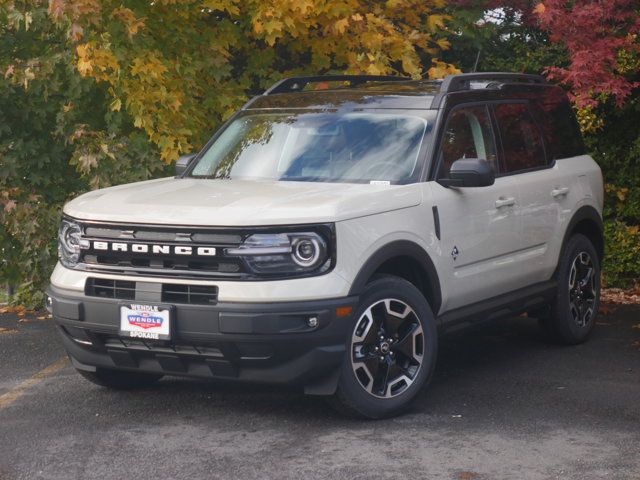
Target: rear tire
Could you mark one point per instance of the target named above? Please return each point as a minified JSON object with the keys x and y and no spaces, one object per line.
{"x":119,"y":379}
{"x":571,"y":316}
{"x":391,"y":350}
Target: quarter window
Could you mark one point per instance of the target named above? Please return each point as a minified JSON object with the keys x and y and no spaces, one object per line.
{"x":521,"y":139}
{"x":560,"y":128}
{"x":468,"y":134}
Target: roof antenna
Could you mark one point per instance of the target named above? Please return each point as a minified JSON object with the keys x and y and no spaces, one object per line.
{"x":475,"y":65}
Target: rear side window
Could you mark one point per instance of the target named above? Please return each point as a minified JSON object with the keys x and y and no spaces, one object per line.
{"x":521,"y":139}
{"x":559,"y":125}
{"x":468,"y":134}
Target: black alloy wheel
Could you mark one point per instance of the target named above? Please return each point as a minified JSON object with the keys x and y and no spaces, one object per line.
{"x":387,"y":348}
{"x":390,"y":350}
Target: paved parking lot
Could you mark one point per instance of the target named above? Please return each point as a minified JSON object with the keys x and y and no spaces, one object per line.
{"x":504,"y":404}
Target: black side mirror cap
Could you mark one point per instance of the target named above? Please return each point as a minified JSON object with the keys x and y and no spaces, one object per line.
{"x":183,"y":163}
{"x":469,"y":172}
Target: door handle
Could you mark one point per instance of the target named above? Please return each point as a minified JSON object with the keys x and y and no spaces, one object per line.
{"x":505,"y":202}
{"x":558,"y":192}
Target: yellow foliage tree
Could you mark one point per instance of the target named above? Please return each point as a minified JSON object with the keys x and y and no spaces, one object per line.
{"x":180,"y":67}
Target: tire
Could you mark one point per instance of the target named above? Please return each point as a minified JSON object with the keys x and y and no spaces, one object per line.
{"x":379,"y":377}
{"x":120,"y":380}
{"x":571,"y":316}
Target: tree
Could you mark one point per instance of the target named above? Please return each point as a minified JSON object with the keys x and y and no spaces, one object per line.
{"x":94,"y":93}
{"x":180,"y":68}
{"x":57,"y":139}
{"x":602,"y":41}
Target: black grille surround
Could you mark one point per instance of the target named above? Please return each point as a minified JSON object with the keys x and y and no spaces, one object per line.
{"x":171,"y":238}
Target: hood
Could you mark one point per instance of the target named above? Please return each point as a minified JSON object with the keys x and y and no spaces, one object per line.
{"x":206,"y":202}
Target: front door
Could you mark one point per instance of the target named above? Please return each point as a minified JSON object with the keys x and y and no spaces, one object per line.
{"x":479,"y":227}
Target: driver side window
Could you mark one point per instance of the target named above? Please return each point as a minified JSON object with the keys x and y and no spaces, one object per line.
{"x":468,"y":134}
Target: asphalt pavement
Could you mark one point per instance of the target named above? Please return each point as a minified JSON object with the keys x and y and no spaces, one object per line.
{"x":504,"y":404}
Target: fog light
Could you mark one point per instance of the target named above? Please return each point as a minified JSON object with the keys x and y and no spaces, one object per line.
{"x":48,"y":303}
{"x":312,"y":322}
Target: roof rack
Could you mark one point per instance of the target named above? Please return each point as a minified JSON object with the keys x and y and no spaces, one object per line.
{"x":297,"y":84}
{"x":461,"y":81}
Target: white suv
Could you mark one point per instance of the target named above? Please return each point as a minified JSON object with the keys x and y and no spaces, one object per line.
{"x":328,"y":233}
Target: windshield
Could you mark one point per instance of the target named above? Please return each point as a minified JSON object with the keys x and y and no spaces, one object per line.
{"x":321,"y":147}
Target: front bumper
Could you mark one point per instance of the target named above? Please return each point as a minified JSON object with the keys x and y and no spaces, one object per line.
{"x":254,"y":342}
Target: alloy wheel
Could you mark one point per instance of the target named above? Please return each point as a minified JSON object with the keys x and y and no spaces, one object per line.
{"x":387,"y":348}
{"x":582,"y":289}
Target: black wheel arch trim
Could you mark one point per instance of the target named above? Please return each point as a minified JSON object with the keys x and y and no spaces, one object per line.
{"x":586,"y":212}
{"x":400,"y":248}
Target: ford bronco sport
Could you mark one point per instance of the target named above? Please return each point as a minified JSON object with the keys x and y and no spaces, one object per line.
{"x":330,"y":230}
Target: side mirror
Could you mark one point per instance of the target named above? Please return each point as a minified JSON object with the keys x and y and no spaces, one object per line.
{"x":469,"y":172}
{"x":183,"y":163}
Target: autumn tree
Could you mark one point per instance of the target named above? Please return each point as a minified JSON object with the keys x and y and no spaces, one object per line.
{"x":180,"y":68}
{"x":94,"y":93}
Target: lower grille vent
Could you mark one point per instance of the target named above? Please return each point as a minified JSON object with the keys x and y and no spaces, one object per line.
{"x":106,"y":288}
{"x":171,"y":293}
{"x":194,"y":294}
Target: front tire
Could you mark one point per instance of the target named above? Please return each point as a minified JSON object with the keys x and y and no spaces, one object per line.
{"x":571,"y":316}
{"x":120,"y":380}
{"x":391,"y":350}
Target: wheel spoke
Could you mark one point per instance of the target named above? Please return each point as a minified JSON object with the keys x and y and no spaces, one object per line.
{"x":373,"y":366}
{"x":366,"y":329}
{"x":389,"y":371}
{"x":372,"y":334}
{"x":407,"y":344}
{"x":587,"y":278}
{"x":392,"y":324}
{"x":572,"y":275}
{"x":394,"y":316}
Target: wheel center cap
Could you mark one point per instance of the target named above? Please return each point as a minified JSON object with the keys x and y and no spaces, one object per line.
{"x":384,"y":348}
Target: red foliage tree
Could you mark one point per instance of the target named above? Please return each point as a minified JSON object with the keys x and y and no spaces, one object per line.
{"x":602,"y":41}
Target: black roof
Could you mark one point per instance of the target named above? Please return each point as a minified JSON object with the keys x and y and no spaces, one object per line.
{"x":353,"y":91}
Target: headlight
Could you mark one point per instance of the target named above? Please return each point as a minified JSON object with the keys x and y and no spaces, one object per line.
{"x":284,"y":253}
{"x":70,"y":243}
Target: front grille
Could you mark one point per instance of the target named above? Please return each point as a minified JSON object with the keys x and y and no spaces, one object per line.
{"x":160,"y":235}
{"x":154,"y":251}
{"x":106,"y":288}
{"x":194,"y":294}
{"x":140,"y":262}
{"x":170,"y":293}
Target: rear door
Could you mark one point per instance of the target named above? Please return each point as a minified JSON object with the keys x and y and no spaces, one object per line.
{"x":479,"y":227}
{"x":542,"y":192}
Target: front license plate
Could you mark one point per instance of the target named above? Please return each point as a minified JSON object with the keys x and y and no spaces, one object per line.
{"x":152,"y":322}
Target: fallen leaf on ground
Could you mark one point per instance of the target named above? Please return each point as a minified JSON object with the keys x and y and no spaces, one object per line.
{"x":620,"y":296}
{"x":468,"y":476}
{"x":7,"y":331}
{"x":605,"y":310}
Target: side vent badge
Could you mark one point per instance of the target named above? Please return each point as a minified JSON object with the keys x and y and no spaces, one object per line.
{"x":455,"y":252}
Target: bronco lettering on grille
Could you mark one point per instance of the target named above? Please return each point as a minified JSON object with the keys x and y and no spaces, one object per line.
{"x":153,"y":249}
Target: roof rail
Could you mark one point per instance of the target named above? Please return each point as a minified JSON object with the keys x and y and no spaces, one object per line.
{"x":461,"y":81}
{"x":297,"y":84}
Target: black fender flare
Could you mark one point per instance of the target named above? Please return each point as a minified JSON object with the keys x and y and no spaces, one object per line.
{"x":400,"y":248}
{"x":586,"y":212}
